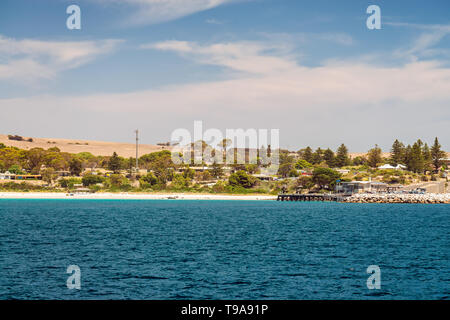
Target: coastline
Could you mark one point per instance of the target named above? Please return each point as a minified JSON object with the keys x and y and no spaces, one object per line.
{"x":357,"y":198}
{"x":130,"y":196}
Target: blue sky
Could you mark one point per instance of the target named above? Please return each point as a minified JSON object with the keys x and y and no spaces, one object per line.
{"x":309,"y":68}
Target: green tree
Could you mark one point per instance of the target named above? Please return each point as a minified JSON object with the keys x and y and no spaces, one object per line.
{"x":437,"y":155}
{"x":427,"y":158}
{"x":15,"y":169}
{"x":285,"y":169}
{"x":307,"y":154}
{"x":342,"y":158}
{"x":416,"y":161}
{"x":49,"y":175}
{"x":317,"y":156}
{"x":75,"y":166}
{"x":329,"y":158}
{"x":216,"y":170}
{"x":374,"y":157}
{"x":241,"y":179}
{"x":35,"y":158}
{"x":180,"y":182}
{"x":302,"y":164}
{"x":325,"y":177}
{"x":359,"y":161}
{"x":304,"y":182}
{"x":397,"y":153}
{"x":114,"y":163}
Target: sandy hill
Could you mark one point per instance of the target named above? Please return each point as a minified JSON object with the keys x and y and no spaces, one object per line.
{"x":98,"y":148}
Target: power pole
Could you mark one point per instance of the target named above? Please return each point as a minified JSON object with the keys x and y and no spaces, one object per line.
{"x":137,"y":148}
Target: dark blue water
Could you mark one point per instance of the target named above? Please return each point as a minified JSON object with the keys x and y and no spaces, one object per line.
{"x":222,"y":249}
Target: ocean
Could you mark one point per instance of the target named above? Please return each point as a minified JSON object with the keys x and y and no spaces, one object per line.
{"x":177,"y":249}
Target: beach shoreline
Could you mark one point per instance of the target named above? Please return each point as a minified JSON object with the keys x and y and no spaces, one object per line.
{"x":130,"y":196}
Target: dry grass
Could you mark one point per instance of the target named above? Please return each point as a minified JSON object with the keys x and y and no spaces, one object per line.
{"x":97,"y":148}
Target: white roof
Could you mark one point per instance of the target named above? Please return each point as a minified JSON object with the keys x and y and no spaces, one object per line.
{"x":386,"y":166}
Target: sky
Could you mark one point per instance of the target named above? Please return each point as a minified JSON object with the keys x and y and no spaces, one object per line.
{"x":311,"y":69}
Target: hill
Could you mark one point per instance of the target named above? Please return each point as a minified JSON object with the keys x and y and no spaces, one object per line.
{"x":97,"y":148}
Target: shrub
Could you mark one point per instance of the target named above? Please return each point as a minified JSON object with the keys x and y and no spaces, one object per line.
{"x":91,"y":179}
{"x":241,"y":179}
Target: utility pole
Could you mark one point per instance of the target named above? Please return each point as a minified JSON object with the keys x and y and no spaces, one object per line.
{"x":137,"y":147}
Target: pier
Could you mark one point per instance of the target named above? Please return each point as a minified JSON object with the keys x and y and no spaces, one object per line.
{"x":311,"y":197}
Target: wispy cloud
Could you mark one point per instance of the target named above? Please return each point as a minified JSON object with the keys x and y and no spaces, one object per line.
{"x":214,"y":21}
{"x":28,"y":60}
{"x":423,"y":45}
{"x":245,"y":56}
{"x":157,"y":11}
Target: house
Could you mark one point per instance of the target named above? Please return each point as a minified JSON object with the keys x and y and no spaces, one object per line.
{"x":362,"y":187}
{"x":28,"y":177}
{"x":7,"y":176}
{"x":388,"y":166}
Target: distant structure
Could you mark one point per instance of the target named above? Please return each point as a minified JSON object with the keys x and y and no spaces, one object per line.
{"x":137,"y":149}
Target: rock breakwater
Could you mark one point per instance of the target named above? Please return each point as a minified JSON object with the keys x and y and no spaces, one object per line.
{"x":399,"y":198}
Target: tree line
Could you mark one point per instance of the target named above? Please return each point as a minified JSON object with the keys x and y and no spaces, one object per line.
{"x":418,"y":158}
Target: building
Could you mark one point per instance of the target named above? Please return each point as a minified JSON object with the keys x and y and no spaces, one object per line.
{"x":365,"y":187}
{"x":7,"y":176}
{"x":388,"y":166}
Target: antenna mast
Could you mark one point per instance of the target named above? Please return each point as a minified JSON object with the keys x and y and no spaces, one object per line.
{"x":137,"y":148}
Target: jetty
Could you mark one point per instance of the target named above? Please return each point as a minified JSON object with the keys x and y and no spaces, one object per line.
{"x":311,"y":197}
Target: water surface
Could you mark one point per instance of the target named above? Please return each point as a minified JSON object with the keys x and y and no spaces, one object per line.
{"x":175,"y":249}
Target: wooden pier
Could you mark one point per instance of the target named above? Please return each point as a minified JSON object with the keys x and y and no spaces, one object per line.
{"x":310,"y":197}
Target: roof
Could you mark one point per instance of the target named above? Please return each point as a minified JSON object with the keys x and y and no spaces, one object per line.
{"x":386,"y":166}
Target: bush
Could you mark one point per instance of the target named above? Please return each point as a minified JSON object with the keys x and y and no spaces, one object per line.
{"x":15,"y":169}
{"x":149,"y":179}
{"x":241,"y":179}
{"x":69,"y":183}
{"x":91,"y":179}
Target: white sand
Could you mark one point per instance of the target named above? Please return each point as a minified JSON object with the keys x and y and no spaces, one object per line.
{"x":130,"y":196}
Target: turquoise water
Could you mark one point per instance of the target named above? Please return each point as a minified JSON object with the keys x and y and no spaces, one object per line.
{"x":171,"y":249}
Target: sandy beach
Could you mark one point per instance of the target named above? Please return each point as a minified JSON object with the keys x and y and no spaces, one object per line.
{"x":130,"y":196}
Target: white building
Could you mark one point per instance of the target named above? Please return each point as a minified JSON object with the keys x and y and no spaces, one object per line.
{"x":388,"y":166}
{"x":7,"y":176}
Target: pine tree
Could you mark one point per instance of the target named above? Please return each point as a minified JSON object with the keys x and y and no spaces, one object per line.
{"x":417,"y":161}
{"x":317,"y":156}
{"x":397,"y":153}
{"x":427,"y":158}
{"x":437,"y":155}
{"x":114,"y":163}
{"x":308,"y":154}
{"x":342,"y":158}
{"x":374,"y":157}
{"x":408,"y":158}
{"x":329,"y":158}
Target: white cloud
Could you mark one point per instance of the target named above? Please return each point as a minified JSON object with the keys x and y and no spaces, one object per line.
{"x":157,"y":11}
{"x":357,"y":103}
{"x":29,"y":60}
{"x":250,"y":57}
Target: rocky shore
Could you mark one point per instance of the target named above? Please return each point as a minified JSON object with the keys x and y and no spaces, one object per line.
{"x":399,"y":198}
